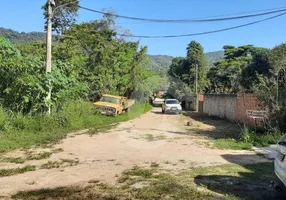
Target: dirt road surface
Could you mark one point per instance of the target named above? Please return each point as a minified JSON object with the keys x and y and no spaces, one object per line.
{"x":152,"y":138}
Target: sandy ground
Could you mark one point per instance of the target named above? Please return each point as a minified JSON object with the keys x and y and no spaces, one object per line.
{"x":152,"y":138}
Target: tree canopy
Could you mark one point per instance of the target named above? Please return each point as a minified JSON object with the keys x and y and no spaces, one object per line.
{"x":88,"y":61}
{"x":184,"y":68}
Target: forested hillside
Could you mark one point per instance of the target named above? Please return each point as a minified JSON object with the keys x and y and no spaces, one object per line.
{"x":213,"y":57}
{"x":17,"y":37}
{"x":159,"y":63}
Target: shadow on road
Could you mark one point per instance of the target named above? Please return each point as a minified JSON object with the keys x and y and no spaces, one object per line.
{"x":238,"y":180}
{"x":213,"y":128}
{"x":159,"y":112}
{"x":173,"y":132}
{"x":243,"y":181}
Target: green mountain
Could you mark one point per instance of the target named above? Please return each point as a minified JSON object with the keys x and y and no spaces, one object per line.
{"x":17,"y":37}
{"x":159,"y":63}
{"x":213,"y":57}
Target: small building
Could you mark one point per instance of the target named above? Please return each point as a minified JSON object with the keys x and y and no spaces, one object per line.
{"x":188,"y":102}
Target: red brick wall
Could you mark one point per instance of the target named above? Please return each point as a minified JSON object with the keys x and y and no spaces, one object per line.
{"x":247,"y":102}
{"x":201,"y":103}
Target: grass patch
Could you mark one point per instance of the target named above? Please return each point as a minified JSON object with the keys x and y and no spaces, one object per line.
{"x":167,"y":186}
{"x":17,"y":160}
{"x":101,"y":192}
{"x":227,"y":135}
{"x":19,"y":131}
{"x":58,"y":150}
{"x":30,"y":155}
{"x":130,"y":176}
{"x":231,"y":144}
{"x":222,"y":182}
{"x":260,"y":138}
{"x":51,"y":165}
{"x":154,"y":165}
{"x":137,"y":171}
{"x":102,"y":128}
{"x":58,"y":164}
{"x":38,"y":156}
{"x":93,"y":181}
{"x":248,"y":139}
{"x":250,"y":181}
{"x":14,"y":171}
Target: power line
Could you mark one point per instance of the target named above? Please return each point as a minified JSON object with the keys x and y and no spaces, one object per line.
{"x":185,"y":20}
{"x":245,"y":12}
{"x":204,"y":33}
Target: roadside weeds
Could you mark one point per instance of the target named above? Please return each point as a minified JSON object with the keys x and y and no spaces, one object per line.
{"x":230,"y":181}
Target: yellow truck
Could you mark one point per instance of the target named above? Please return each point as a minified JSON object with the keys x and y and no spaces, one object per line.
{"x":113,"y":105}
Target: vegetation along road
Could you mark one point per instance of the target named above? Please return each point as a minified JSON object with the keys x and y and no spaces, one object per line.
{"x":150,"y":157}
{"x":55,"y":144}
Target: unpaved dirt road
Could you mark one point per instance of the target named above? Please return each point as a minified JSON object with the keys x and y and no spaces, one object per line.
{"x":152,"y":138}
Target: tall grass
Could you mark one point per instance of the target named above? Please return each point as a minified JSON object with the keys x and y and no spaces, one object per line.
{"x":260,"y":139}
{"x":24,"y":131}
{"x":249,"y":137}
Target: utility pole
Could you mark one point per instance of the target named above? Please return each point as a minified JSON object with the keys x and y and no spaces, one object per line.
{"x":197,"y":79}
{"x":49,"y":50}
{"x":197,"y":102}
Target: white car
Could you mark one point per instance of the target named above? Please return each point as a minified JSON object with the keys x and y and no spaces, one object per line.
{"x":280,"y":160}
{"x":171,"y":106}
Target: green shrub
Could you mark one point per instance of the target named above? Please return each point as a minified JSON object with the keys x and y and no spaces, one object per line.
{"x":246,"y":134}
{"x":3,"y":119}
{"x":259,"y":138}
{"x":29,"y":130}
{"x":14,"y":171}
{"x":266,"y":139}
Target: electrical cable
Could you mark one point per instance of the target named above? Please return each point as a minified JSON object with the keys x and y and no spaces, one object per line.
{"x":203,"y":33}
{"x":185,"y":20}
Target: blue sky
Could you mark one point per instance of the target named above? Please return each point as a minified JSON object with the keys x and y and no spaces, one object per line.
{"x":26,"y":16}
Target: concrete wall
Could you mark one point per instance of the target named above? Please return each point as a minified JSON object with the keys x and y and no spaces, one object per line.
{"x":220,"y":105}
{"x":230,"y":106}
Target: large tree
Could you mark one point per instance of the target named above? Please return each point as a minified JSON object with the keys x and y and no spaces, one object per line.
{"x":272,"y":88}
{"x":105,"y":63}
{"x":225,"y":76}
{"x":184,"y":68}
{"x":258,"y":66}
{"x":64,"y":14}
{"x":197,"y":59}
